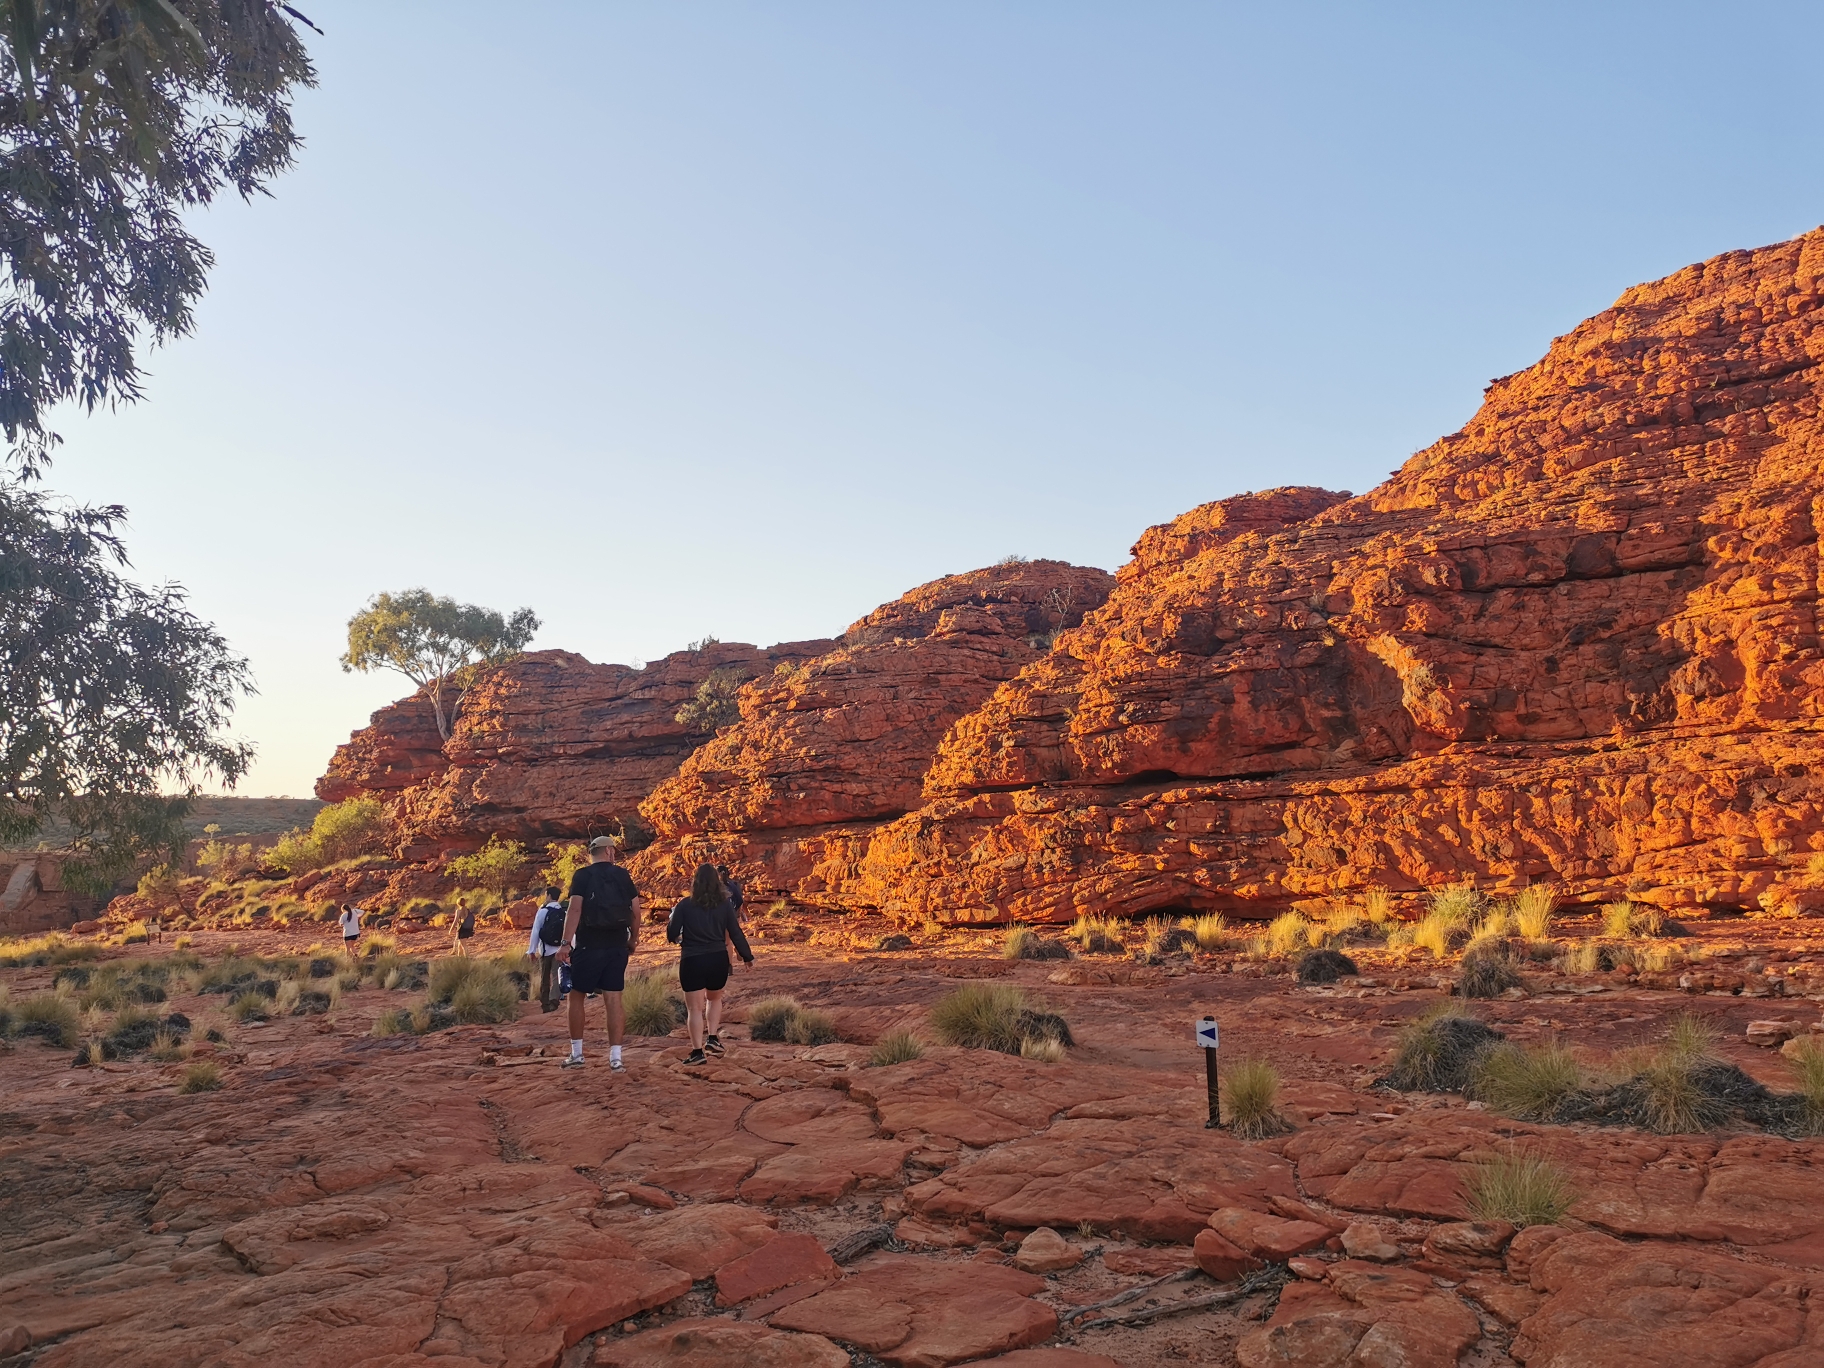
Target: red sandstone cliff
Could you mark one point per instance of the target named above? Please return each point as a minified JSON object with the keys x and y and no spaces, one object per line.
{"x":547,"y":746}
{"x":825,"y":753}
{"x":1576,"y":641}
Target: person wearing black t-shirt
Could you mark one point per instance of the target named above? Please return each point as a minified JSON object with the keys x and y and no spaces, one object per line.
{"x":601,"y":930}
{"x":702,"y":926}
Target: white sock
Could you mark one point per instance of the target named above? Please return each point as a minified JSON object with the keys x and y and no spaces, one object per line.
{"x":614,"y":1054}
{"x":576,"y":1049}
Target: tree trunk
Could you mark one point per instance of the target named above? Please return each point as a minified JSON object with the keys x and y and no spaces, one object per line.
{"x":443,"y":726}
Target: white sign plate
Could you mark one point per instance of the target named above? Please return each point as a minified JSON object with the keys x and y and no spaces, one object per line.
{"x":1207,"y":1035}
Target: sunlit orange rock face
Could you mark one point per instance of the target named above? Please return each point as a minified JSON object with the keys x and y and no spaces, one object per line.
{"x":1575,"y":641}
{"x":824,"y":754}
{"x":550,"y":745}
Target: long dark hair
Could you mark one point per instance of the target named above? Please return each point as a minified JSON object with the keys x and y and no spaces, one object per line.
{"x":706,"y":889}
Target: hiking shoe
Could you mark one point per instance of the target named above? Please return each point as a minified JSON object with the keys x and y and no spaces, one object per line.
{"x":695,"y":1057}
{"x":715,"y":1046}
{"x":574,"y":1062}
{"x":617,"y":1066}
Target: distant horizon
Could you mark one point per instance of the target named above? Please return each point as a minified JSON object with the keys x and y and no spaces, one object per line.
{"x":747,"y":321}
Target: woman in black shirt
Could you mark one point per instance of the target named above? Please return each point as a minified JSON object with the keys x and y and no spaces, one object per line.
{"x":702,"y":925}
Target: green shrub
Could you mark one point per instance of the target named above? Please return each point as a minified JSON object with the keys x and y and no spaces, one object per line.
{"x":896,"y":1047}
{"x":205,"y":1076}
{"x":158,"y":885}
{"x":49,"y":1017}
{"x":1250,"y":1100}
{"x":485,"y":999}
{"x":985,"y":1016}
{"x":497,"y":868}
{"x":653,"y":1007}
{"x":1521,"y":1189}
{"x":1528,"y":1084}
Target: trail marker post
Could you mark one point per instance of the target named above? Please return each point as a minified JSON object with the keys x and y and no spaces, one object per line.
{"x":1210,"y":1038}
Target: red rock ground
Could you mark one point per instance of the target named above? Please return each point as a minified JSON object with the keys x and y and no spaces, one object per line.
{"x":456,"y":1199}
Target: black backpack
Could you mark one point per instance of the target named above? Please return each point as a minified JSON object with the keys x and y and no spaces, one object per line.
{"x":551,"y":929}
{"x":608,"y":897}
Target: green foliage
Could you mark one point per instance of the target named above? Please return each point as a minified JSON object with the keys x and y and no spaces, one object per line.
{"x":562,"y":860}
{"x":1521,"y":1189}
{"x":340,"y":831}
{"x":433,"y":641}
{"x":204,"y":1076}
{"x":120,"y":117}
{"x":713,"y":705}
{"x":489,"y":997}
{"x":498,"y":867}
{"x":896,"y":1047}
{"x":993,"y":1016}
{"x":158,"y":885}
{"x":652,"y":1007}
{"x":1250,"y":1100}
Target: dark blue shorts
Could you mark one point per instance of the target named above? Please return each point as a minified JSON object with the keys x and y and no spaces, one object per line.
{"x":596,"y":969}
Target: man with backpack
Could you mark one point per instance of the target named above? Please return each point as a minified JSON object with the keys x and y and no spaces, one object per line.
{"x":601,"y":930}
{"x":547,"y":935}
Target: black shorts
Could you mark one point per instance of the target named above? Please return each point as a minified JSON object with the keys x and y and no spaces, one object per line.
{"x":703,"y":971}
{"x":598,"y":969}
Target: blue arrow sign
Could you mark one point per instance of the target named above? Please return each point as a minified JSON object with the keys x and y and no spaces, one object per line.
{"x":1207,"y":1034}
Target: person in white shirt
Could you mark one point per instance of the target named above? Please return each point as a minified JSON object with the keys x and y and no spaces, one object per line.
{"x":547,"y":935}
{"x":351,"y":927}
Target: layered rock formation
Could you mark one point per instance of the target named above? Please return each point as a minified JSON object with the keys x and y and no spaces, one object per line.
{"x":1576,"y":641}
{"x":545,"y":747}
{"x":824,"y":754}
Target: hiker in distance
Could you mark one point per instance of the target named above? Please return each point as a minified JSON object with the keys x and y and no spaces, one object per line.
{"x":702,"y":925}
{"x":736,"y":894}
{"x":351,"y":927}
{"x":601,"y":929}
{"x":547,"y":934}
{"x":463,"y":929}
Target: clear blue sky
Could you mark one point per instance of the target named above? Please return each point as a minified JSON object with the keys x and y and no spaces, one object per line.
{"x":670,"y":319}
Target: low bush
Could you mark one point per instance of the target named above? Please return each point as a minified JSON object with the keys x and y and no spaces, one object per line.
{"x":653,"y":1007}
{"x":1534,"y":909}
{"x":1023,"y":943}
{"x":1324,"y":966}
{"x":896,"y":1047}
{"x":1807,"y":1061}
{"x":1530,"y":1085}
{"x":1519,"y":1188}
{"x":50,"y":1017}
{"x":992,"y":1016}
{"x":767,"y":1018}
{"x":204,"y":1076}
{"x":1250,"y":1100}
{"x":475,"y":990}
{"x":1440,"y":1051}
{"x":38,"y":951}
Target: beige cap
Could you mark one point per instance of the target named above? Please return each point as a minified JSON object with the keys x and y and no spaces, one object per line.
{"x":602,"y":842}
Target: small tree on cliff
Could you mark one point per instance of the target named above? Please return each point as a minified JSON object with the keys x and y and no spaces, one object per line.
{"x":496,"y":868}
{"x":713,"y":705}
{"x":434,"y":642}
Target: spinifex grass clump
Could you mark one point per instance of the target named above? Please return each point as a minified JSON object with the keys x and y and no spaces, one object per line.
{"x":205,"y":1076}
{"x":1095,"y":936}
{"x":36,"y":951}
{"x":787,"y":1020}
{"x":1377,"y":906}
{"x":1162,"y":939}
{"x":1440,"y":1051}
{"x":896,"y":1047}
{"x":1289,"y":933}
{"x":1807,"y":1060}
{"x":1528,"y":1084}
{"x":1519,"y":1188}
{"x":49,"y":1017}
{"x":1211,"y":931}
{"x":476,"y":991}
{"x":1023,"y":943}
{"x":1250,"y":1100}
{"x":1534,"y":909}
{"x":251,"y":1006}
{"x":985,"y":1016}
{"x":808,"y":1026}
{"x":1486,"y":970}
{"x":653,"y":1005}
